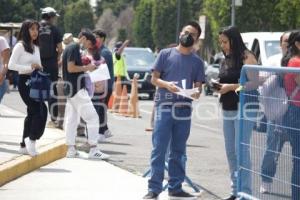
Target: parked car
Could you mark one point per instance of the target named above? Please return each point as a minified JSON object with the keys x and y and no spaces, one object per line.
{"x":140,"y":61}
{"x":211,"y":72}
{"x":263,"y":44}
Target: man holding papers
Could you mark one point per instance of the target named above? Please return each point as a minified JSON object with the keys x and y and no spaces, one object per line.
{"x":79,"y":103}
{"x":176,"y":70}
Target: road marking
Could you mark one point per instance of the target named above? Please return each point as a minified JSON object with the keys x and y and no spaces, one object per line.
{"x":146,"y":111}
{"x":206,"y":127}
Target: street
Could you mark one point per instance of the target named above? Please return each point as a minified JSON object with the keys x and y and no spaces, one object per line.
{"x":130,"y":146}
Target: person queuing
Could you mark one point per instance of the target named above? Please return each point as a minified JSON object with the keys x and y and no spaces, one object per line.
{"x":79,"y":103}
{"x":275,"y":137}
{"x":25,"y":58}
{"x":236,"y":55}
{"x":4,"y":57}
{"x":291,"y":118}
{"x":50,"y":40}
{"x":105,"y":95}
{"x":173,"y":112}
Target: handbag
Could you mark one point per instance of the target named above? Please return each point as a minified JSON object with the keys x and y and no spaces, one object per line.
{"x":40,"y":86}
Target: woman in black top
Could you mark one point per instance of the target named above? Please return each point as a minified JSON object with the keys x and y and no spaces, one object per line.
{"x":236,"y":55}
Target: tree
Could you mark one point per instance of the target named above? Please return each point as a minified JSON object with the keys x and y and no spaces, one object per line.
{"x":164,"y":19}
{"x":122,"y":35}
{"x":218,"y":15}
{"x":142,"y":24}
{"x":288,"y":14}
{"x":78,"y":15}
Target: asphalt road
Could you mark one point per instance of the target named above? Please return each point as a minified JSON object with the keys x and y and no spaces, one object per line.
{"x":130,"y":146}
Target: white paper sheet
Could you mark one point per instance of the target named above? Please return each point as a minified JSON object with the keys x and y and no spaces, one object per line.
{"x":100,"y":74}
{"x":187,"y":92}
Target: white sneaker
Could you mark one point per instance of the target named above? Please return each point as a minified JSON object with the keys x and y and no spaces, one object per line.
{"x":101,"y":138}
{"x":108,"y":134}
{"x":265,"y":187}
{"x":30,"y":146}
{"x":72,"y":152}
{"x":23,"y":151}
{"x":95,"y":153}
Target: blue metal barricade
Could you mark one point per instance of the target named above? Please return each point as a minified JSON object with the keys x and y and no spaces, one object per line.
{"x":269,"y":163}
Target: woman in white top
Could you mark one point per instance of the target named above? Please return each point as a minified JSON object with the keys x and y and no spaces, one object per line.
{"x":25,"y":58}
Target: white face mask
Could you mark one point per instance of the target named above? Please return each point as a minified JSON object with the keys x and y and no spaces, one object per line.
{"x":81,"y":46}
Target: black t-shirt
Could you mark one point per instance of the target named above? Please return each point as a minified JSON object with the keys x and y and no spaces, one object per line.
{"x":75,"y":80}
{"x":229,"y":74}
{"x":50,"y":65}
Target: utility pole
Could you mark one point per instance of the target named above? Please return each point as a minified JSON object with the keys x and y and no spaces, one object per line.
{"x":234,"y":4}
{"x":232,"y":12}
{"x":178,"y":19}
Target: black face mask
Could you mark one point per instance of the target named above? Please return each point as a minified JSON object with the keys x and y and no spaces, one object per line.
{"x":186,"y":40}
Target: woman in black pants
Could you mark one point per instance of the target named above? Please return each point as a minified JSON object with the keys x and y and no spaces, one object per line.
{"x":25,"y":58}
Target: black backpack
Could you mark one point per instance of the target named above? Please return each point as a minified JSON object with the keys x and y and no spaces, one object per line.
{"x":46,"y":41}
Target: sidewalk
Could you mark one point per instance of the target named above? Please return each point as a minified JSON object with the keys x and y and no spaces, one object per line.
{"x":13,"y":164}
{"x":64,"y":179}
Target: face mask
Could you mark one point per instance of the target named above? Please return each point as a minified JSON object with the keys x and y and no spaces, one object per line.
{"x":81,"y":47}
{"x":186,"y":40}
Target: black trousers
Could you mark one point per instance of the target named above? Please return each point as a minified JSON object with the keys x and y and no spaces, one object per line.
{"x":101,"y":104}
{"x":35,"y":121}
{"x":51,"y":67}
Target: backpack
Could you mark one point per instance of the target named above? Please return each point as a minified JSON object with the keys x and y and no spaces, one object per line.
{"x":40,"y":86}
{"x":274,"y":99}
{"x":46,"y":41}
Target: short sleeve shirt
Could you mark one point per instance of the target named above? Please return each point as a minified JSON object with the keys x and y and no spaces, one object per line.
{"x":290,"y":83}
{"x":76,"y":80}
{"x":174,"y":66}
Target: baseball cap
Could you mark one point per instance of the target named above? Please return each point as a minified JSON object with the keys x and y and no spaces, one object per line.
{"x":50,"y":11}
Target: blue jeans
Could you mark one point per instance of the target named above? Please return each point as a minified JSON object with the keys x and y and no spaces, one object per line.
{"x":276,"y":138}
{"x":291,"y":120}
{"x":231,"y":136}
{"x":3,"y":89}
{"x":172,"y":125}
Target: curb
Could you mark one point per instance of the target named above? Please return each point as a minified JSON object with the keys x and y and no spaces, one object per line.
{"x":24,"y":164}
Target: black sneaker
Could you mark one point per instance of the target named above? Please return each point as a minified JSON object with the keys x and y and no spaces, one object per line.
{"x":151,"y":195}
{"x":182,"y":195}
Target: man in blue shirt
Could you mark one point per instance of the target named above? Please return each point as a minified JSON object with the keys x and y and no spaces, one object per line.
{"x":174,"y":67}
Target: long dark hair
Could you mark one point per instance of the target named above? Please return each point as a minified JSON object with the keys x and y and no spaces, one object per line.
{"x":292,"y":49}
{"x":237,"y":46}
{"x":24,"y":35}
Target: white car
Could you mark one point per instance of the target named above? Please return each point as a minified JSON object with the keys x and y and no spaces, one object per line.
{"x":263,"y":44}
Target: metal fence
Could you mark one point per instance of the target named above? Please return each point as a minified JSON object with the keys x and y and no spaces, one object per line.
{"x":269,"y":162}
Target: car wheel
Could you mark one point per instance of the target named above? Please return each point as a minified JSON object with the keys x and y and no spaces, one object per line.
{"x":151,"y":96}
{"x":206,"y":90}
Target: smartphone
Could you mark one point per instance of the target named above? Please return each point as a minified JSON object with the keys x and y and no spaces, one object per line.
{"x":215,"y":84}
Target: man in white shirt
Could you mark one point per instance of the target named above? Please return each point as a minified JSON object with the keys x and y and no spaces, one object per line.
{"x":4,"y":57}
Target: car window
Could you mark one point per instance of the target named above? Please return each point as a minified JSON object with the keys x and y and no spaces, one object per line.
{"x":139,"y":58}
{"x":272,"y":48}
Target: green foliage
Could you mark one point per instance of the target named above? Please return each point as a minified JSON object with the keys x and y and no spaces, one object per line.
{"x":116,"y":5}
{"x":78,"y":15}
{"x":164,"y":20}
{"x":142,"y":24}
{"x":288,"y":14}
{"x":122,"y":34}
{"x":218,"y":15}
